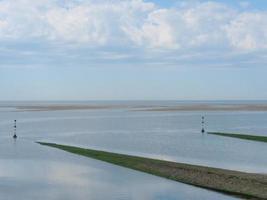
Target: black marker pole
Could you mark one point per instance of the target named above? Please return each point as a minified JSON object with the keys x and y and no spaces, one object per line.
{"x":15,"y":129}
{"x":203,"y":123}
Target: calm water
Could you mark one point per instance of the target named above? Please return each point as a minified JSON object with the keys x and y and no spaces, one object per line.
{"x":30,"y":171}
{"x":40,"y":171}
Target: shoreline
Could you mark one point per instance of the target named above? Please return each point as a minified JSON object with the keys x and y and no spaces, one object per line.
{"x":236,"y":183}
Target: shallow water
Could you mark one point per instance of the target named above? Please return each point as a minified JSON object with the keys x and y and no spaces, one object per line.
{"x":40,"y":171}
{"x":167,"y":135}
{"x":31,"y":171}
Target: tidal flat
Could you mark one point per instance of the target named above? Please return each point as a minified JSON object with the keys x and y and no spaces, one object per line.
{"x":142,"y":106}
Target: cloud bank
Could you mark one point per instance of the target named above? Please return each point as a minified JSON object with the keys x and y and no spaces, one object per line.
{"x":132,"y":30}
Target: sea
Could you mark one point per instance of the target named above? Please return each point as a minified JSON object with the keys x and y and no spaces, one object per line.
{"x":31,"y":171}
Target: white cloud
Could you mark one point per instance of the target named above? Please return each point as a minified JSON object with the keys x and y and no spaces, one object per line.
{"x":155,"y":30}
{"x":134,"y":23}
{"x":248,"y":31}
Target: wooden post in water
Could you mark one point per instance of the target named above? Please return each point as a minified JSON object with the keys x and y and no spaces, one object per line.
{"x":15,"y":129}
{"x":203,"y":123}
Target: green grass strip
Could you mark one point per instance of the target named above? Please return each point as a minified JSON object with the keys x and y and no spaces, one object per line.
{"x":241,"y":184}
{"x":241,"y":136}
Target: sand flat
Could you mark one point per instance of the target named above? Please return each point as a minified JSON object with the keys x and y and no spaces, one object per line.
{"x":210,"y":107}
{"x":145,"y":107}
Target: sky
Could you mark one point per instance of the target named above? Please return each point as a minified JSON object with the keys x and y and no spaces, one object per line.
{"x":133,"y":50}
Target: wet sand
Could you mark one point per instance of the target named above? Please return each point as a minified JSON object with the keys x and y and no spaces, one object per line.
{"x":145,"y":107}
{"x":62,"y":107}
{"x":211,"y":107}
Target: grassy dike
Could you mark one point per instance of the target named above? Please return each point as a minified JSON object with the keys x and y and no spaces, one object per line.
{"x":241,"y":136}
{"x":241,"y":184}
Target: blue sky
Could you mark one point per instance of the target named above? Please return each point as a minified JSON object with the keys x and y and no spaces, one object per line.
{"x":255,"y":4}
{"x":133,"y":50}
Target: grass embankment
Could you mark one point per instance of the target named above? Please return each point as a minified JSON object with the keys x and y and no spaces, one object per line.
{"x":241,"y":136}
{"x":232,"y":182}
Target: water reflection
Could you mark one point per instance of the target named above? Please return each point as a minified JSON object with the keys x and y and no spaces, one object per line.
{"x":31,"y":171}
